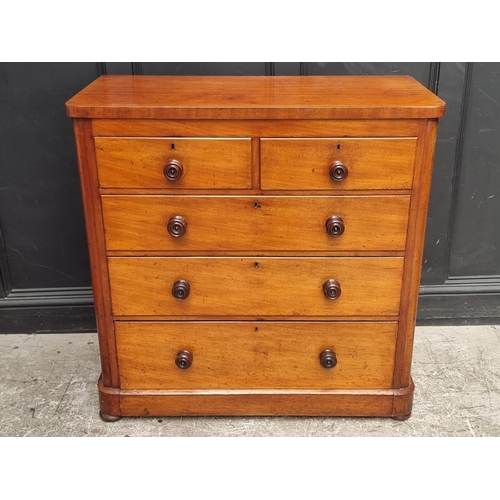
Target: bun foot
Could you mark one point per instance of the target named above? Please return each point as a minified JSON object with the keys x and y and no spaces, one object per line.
{"x":402,"y":418}
{"x":109,"y":418}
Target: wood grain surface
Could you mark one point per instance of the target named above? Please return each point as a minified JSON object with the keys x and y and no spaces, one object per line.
{"x":256,"y":193}
{"x":255,"y":355}
{"x":241,"y":402}
{"x":285,"y":223}
{"x":208,"y":163}
{"x":97,"y":250}
{"x":311,"y":402}
{"x":264,"y":97}
{"x":256,"y":286}
{"x":305,"y":163}
{"x":255,"y":128}
{"x":413,"y":259}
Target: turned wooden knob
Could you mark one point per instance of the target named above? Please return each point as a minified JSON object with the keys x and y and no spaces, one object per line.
{"x":181,"y":289}
{"x":184,"y":359}
{"x":327,"y":359}
{"x":331,"y":289}
{"x":173,"y":170}
{"x":338,"y":171}
{"x":334,"y":226}
{"x":177,"y":226}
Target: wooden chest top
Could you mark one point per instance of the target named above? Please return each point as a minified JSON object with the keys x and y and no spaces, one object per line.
{"x":258,"y":97}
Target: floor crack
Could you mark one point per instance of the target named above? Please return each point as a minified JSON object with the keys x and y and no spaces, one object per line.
{"x":64,"y":394}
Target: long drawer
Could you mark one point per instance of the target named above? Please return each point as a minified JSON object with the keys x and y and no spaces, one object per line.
{"x":285,"y":223}
{"x":174,"y":163}
{"x":337,"y":164}
{"x":255,"y":355}
{"x":151,"y":286}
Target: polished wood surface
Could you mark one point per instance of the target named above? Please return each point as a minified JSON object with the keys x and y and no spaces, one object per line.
{"x":413,"y":260}
{"x":276,"y":272}
{"x":234,"y":97}
{"x":97,"y":250}
{"x":255,"y":128}
{"x":241,"y":402}
{"x":255,"y":355}
{"x":259,"y":286}
{"x":305,"y":163}
{"x":285,"y":223}
{"x":207,"y":163}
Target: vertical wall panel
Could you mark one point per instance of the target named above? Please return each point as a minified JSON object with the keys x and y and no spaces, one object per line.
{"x":41,"y":214}
{"x":475,"y":246}
{"x":202,"y":68}
{"x":420,"y":71}
{"x":287,"y":68}
{"x":117,"y":68}
{"x":450,"y":89}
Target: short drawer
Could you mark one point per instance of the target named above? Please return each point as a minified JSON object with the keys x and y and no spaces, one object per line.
{"x":174,"y":163}
{"x":232,"y":286}
{"x":338,"y":164}
{"x":255,"y":355}
{"x":285,"y":223}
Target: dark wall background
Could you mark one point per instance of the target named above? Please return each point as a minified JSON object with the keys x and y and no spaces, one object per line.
{"x":44,"y":270}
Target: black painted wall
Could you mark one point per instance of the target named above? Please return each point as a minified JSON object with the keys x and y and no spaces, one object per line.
{"x":44,"y":270}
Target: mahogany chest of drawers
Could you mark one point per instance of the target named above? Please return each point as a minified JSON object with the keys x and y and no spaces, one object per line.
{"x":255,"y":242}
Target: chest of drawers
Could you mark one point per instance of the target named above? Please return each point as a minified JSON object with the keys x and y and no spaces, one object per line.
{"x":255,"y":242}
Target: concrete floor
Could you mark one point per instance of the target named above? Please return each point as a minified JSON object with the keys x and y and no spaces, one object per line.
{"x":48,"y":388}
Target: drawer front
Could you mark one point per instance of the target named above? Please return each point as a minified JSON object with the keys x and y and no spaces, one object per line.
{"x":204,"y":163}
{"x":256,"y":223}
{"x":255,"y":355}
{"x":288,"y":164}
{"x":256,"y":286}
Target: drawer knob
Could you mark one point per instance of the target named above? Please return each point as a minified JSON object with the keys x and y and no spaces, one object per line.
{"x":334,"y":226}
{"x":331,"y":289}
{"x":173,"y":170}
{"x":184,"y":359}
{"x":338,"y":171}
{"x":177,"y":226}
{"x":328,"y":359}
{"x":181,"y":289}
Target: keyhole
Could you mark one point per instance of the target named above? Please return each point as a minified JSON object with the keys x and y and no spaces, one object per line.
{"x":256,"y":265}
{"x":172,"y":147}
{"x":338,"y":147}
